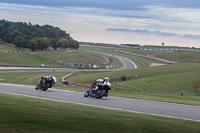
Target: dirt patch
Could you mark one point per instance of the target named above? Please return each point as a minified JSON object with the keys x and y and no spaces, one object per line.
{"x":157,"y":64}
{"x":153,"y":55}
{"x":1,"y":79}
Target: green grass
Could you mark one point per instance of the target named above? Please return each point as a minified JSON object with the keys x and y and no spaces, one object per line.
{"x":32,"y":78}
{"x":4,"y":48}
{"x":186,"y":81}
{"x":182,"y":56}
{"x":173,"y":75}
{"x":73,"y":55}
{"x":24,"y":58}
{"x":170,"y":98}
{"x":22,"y":114}
{"x":27,"y":59}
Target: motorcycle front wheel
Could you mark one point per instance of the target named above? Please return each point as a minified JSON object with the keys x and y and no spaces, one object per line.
{"x":86,"y":94}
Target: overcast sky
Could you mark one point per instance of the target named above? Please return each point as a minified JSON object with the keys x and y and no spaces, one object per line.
{"x":145,"y":22}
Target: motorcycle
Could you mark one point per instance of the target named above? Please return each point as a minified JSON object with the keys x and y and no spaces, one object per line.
{"x":97,"y":90}
{"x":45,"y":83}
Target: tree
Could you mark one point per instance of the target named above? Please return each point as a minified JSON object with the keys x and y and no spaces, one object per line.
{"x":32,"y":45}
{"x":18,"y":41}
{"x":63,"y":43}
{"x":45,"y":42}
{"x":53,"y":43}
{"x":21,"y":34}
{"x":13,"y":34}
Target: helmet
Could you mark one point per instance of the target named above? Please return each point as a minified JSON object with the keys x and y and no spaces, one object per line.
{"x":106,"y":78}
{"x":54,"y":78}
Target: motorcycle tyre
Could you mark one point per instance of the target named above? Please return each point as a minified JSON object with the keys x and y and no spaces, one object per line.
{"x":36,"y":88}
{"x":103,"y":93}
{"x":46,"y":87}
{"x":86,"y":94}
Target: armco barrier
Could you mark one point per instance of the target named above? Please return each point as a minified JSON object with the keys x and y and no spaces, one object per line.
{"x":71,"y":84}
{"x":67,"y":82}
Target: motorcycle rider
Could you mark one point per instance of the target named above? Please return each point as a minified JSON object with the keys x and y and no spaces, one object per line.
{"x":98,"y":89}
{"x":43,"y":80}
{"x":106,"y":81}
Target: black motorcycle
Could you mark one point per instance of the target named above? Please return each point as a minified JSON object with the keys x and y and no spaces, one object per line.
{"x":97,"y":90}
{"x":45,"y":83}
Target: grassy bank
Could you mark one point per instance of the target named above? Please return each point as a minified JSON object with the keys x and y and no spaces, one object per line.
{"x":170,"y":77}
{"x":178,"y":55}
{"x":27,"y":59}
{"x":32,"y":78}
{"x":8,"y":55}
{"x":73,"y":55}
{"x":22,"y":114}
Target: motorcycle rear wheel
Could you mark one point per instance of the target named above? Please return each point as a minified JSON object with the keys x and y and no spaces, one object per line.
{"x":102,"y":93}
{"x":46,"y":87}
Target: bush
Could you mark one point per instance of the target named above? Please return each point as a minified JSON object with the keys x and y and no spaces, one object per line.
{"x":123,"y":78}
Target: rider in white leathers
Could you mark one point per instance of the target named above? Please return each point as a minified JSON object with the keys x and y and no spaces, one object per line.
{"x":106,"y":81}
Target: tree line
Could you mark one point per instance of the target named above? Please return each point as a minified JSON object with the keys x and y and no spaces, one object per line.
{"x":35,"y":37}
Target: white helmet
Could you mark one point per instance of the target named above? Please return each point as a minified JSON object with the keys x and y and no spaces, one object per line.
{"x":54,"y":78}
{"x":106,"y":78}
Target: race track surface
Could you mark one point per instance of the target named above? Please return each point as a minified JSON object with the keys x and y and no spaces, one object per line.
{"x":187,"y":112}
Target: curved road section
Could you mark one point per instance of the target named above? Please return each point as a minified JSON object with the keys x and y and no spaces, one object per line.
{"x":128,"y":64}
{"x":172,"y":110}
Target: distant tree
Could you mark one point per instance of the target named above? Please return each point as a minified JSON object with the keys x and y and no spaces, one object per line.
{"x":22,"y":35}
{"x":13,"y":34}
{"x":24,"y":43}
{"x":18,"y":41}
{"x":53,"y":43}
{"x":63,"y":43}
{"x":45,"y":42}
{"x":32,"y":45}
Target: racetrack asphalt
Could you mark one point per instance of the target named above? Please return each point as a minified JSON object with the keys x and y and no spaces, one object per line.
{"x":173,"y":110}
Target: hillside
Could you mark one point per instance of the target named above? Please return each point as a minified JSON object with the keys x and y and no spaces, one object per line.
{"x":11,"y":56}
{"x":26,"y":35}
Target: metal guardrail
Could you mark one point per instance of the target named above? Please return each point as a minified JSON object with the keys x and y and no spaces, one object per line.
{"x":71,"y":84}
{"x":67,"y":82}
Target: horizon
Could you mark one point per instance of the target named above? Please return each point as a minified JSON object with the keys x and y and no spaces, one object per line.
{"x":174,"y":22}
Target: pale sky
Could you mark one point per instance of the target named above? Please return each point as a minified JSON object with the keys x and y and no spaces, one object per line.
{"x":144,"y":22}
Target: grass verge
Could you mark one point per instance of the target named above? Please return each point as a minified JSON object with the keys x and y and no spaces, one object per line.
{"x":32,"y":78}
{"x":22,"y":114}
